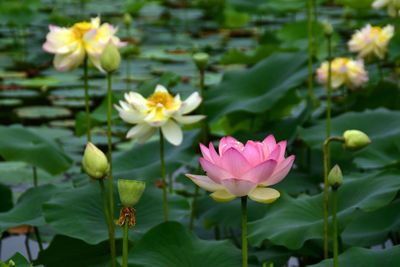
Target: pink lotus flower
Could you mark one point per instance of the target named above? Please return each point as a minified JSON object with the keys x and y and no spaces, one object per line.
{"x":243,"y":170}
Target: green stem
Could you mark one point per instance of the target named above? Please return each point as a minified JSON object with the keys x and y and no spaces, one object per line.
{"x":329,"y":90}
{"x":335,"y":228}
{"x":310,"y":87}
{"x":28,"y":248}
{"x":38,"y":238}
{"x":108,"y":220}
{"x":35,"y":229}
{"x":125,"y":245}
{"x":244,"y":231}
{"x":326,"y":188}
{"x":204,"y":139}
{"x":163,"y":177}
{"x":193,"y":213}
{"x":87,"y":104}
{"x":110,"y":176}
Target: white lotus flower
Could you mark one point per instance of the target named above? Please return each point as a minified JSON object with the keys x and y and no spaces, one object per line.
{"x":160,"y":110}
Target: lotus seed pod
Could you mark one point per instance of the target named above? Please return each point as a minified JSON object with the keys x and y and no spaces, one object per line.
{"x":335,"y":177}
{"x":355,"y":139}
{"x":94,"y":162}
{"x":130,"y":191}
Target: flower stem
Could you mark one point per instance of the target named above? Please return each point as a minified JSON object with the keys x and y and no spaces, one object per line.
{"x":310,"y":87}
{"x":204,"y":139}
{"x":329,"y":89}
{"x":193,"y":213}
{"x":163,"y":177}
{"x":244,"y":231}
{"x":335,"y":228}
{"x":326,"y":187}
{"x":108,"y":220}
{"x":125,"y":245}
{"x":110,"y":176}
{"x":35,"y":229}
{"x":87,"y":107}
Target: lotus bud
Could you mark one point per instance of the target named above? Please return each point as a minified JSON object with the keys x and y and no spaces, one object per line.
{"x":130,"y":191}
{"x":201,"y":60}
{"x":110,"y":58}
{"x":94,"y":162}
{"x":355,"y":139}
{"x":127,"y":19}
{"x":328,"y":28}
{"x":335,"y":177}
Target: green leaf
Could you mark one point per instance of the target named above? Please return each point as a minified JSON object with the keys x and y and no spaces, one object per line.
{"x":6,"y":200}
{"x":15,"y":172}
{"x":366,"y":258}
{"x":21,"y":144}
{"x":143,"y":160}
{"x":66,"y":252}
{"x":28,"y":209}
{"x":248,"y":90}
{"x":381,"y":125}
{"x":380,"y":223}
{"x":293,"y":221}
{"x":20,"y":261}
{"x":41,"y":112}
{"x":170,"y":244}
{"x":78,"y":212}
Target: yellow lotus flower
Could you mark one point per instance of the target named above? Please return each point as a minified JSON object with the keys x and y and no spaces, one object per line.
{"x":160,"y":110}
{"x":345,"y":71}
{"x":393,"y":6}
{"x":370,"y":41}
{"x":71,"y":45}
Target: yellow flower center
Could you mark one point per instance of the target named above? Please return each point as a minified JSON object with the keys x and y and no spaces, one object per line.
{"x":80,"y":28}
{"x":161,"y":100}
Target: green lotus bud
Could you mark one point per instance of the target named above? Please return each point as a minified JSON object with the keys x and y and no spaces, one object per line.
{"x":94,"y":162}
{"x":127,"y":19}
{"x":328,"y":28}
{"x":355,"y":139}
{"x":335,"y":177}
{"x":130,"y":191}
{"x":201,"y":60}
{"x":110,"y":58}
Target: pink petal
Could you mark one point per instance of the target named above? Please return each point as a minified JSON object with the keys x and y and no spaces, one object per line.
{"x":238,"y":187}
{"x":275,"y":153}
{"x":206,"y":153}
{"x":269,"y":144}
{"x":213,"y":171}
{"x":234,"y":162}
{"x":282,"y":144}
{"x":205,"y":182}
{"x":228,"y":142}
{"x":213,"y":153}
{"x":269,"y":141}
{"x":253,"y":152}
{"x":280,"y":171}
{"x":261,"y":172}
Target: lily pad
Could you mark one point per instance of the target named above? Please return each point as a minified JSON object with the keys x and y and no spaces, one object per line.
{"x":293,"y":221}
{"x":75,"y":211}
{"x":21,"y":144}
{"x":366,"y":257}
{"x":171,"y":244}
{"x":28,"y":210}
{"x":38,"y":112}
{"x":283,"y":71}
